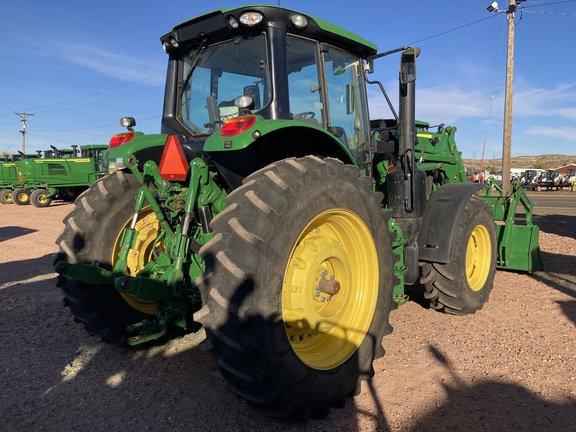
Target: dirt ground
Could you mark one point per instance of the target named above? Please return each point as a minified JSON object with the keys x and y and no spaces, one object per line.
{"x":511,"y":366}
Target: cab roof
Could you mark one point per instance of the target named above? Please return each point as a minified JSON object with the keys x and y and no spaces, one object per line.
{"x":215,"y":26}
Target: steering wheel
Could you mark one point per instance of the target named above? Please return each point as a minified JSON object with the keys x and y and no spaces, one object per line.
{"x":304,"y":115}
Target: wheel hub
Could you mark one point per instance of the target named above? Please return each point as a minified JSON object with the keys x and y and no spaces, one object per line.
{"x":148,"y":229}
{"x":330,"y":289}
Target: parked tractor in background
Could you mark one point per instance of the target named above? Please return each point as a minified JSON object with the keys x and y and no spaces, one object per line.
{"x":274,"y":214}
{"x":9,"y":176}
{"x":62,"y":177}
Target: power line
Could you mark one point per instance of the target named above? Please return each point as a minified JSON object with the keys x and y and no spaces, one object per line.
{"x":95,"y":94}
{"x":536,"y":4}
{"x":451,"y":30}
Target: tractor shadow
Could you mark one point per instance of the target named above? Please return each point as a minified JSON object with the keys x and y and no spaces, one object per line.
{"x":11,"y":232}
{"x":16,"y":272}
{"x":491,"y":405}
{"x":562,"y":225}
{"x":559,"y":270}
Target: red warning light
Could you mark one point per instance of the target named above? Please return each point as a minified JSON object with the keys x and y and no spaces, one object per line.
{"x":121,"y":138}
{"x":236,"y":125}
{"x":173,"y":165}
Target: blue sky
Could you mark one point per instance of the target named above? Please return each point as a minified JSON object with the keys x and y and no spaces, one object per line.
{"x":80,"y":66}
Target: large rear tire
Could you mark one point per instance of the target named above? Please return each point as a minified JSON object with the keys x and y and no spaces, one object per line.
{"x":92,"y":233}
{"x":462,"y":286}
{"x":298,"y":286}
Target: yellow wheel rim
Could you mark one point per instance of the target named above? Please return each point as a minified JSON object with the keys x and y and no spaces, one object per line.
{"x":21,"y":197}
{"x":42,"y":199}
{"x":330,"y":289}
{"x":478,"y":258}
{"x":148,"y":229}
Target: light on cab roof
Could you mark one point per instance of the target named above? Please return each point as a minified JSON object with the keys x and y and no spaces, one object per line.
{"x":233,"y":23}
{"x":251,"y":18}
{"x":299,"y":21}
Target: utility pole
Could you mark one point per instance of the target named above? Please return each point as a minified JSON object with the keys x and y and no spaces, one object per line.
{"x":23,"y":119}
{"x":507,"y":138}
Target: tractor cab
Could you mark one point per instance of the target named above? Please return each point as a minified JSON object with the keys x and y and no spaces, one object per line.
{"x":231,"y":68}
{"x":97,"y":152}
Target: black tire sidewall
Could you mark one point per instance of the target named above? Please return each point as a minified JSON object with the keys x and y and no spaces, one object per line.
{"x":307,"y":197}
{"x":18,"y":192}
{"x":3,"y":194}
{"x":100,"y":218}
{"x":34,"y":198}
{"x":475,"y":215}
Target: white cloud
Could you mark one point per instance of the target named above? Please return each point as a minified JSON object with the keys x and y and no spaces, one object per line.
{"x":448,"y":104}
{"x":558,"y":102}
{"x":453,"y":103}
{"x":553,"y":134}
{"x":115,"y":64}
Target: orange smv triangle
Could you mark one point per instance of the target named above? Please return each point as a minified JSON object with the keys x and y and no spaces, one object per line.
{"x":173,"y":165}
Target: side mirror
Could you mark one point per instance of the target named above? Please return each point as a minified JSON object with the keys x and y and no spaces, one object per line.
{"x":408,"y":65}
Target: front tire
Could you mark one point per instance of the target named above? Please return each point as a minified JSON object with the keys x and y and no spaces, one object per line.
{"x":298,"y":286}
{"x":21,"y":196}
{"x":92,"y":233}
{"x":463,"y":285}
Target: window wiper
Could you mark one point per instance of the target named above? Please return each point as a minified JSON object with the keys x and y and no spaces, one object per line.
{"x":195,"y":57}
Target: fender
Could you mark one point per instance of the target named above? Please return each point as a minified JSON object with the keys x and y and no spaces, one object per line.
{"x":266,"y":141}
{"x":442,"y":215}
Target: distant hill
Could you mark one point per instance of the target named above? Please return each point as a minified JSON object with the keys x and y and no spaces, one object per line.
{"x":539,"y":162}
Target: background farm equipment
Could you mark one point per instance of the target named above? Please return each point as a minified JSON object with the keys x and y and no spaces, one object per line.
{"x":273,"y":213}
{"x":9,"y":175}
{"x":63,"y":177}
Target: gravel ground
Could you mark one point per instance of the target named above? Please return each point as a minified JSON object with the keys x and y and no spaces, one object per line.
{"x":511,"y":366}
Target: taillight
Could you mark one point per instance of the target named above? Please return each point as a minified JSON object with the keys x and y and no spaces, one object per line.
{"x":236,"y":125}
{"x":121,"y":138}
{"x":173,"y":165}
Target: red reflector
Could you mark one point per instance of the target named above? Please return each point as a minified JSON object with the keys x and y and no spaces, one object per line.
{"x":121,"y":138}
{"x":236,"y":125}
{"x":173,"y":165}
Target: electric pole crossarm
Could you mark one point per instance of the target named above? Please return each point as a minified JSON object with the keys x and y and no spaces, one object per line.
{"x":23,"y":119}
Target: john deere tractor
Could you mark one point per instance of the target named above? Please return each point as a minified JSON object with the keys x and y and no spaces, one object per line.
{"x":274,"y":214}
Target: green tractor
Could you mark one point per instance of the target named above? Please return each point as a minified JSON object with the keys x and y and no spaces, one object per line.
{"x":274,"y":214}
{"x":9,"y":176}
{"x":61,"y":174}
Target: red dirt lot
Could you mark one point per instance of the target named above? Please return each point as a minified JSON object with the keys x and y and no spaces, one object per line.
{"x":511,"y":366}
